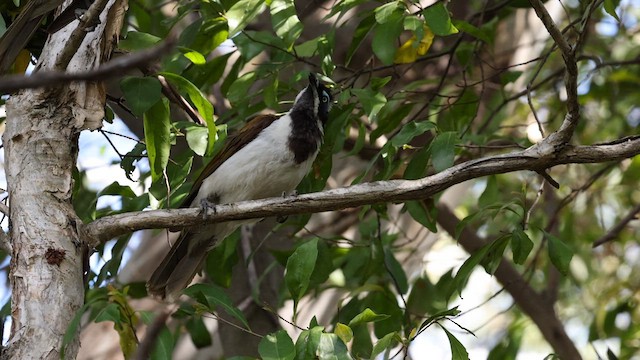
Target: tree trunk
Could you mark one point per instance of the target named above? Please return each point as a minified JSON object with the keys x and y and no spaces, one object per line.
{"x":41,"y":148}
{"x":46,"y":263}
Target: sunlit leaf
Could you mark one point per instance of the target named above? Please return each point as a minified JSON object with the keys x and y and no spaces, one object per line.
{"x":242,"y":13}
{"x":458,"y":351}
{"x":277,"y":346}
{"x":157,"y":130}
{"x":437,"y":18}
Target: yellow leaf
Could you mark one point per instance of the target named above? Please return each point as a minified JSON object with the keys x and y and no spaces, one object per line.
{"x":22,"y":61}
{"x":409,"y":51}
{"x":426,"y":41}
{"x":344,"y":332}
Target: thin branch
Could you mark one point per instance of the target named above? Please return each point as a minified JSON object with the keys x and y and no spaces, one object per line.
{"x":4,"y":209}
{"x":115,"y":67}
{"x":535,"y":158}
{"x":564,"y":134}
{"x":613,"y":233}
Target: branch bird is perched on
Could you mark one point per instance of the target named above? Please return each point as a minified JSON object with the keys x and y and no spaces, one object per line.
{"x":269,"y":156}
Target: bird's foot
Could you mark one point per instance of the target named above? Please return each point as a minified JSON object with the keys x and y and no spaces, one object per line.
{"x":282,"y":218}
{"x":205,"y":206}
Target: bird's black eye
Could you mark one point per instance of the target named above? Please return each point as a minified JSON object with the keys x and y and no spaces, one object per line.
{"x":325,"y":97}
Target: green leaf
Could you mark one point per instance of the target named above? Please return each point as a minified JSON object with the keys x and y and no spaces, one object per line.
{"x":491,"y":193}
{"x":494,"y":255}
{"x":521,"y":246}
{"x":331,"y":347}
{"x":132,"y":156}
{"x":383,"y":344}
{"x":242,"y":13}
{"x":285,"y":21}
{"x":344,"y":332}
{"x":240,"y":87}
{"x":277,"y":346}
{"x":117,"y":190}
{"x":211,"y":296}
{"x":396,"y":271}
{"x":367,"y":316}
{"x":197,"y":138}
{"x":157,"y":135}
{"x":443,"y":150}
{"x":221,"y":259}
{"x":308,"y":342}
{"x":465,"y":27}
{"x":411,"y":130}
{"x":559,"y":253}
{"x":210,"y":34}
{"x":467,"y":267}
{"x":136,"y":40}
{"x":195,"y":57}
{"x":141,"y":93}
{"x":458,"y":351}
{"x":385,"y":38}
{"x":364,"y":27}
{"x":388,"y":12}
{"x":199,"y":99}
{"x":610,"y":7}
{"x":199,"y":333}
{"x":299,"y":268}
{"x":110,"y":312}
{"x":509,"y":77}
{"x":437,"y":18}
{"x":372,"y":101}
{"x":444,"y":314}
{"x":419,"y":213}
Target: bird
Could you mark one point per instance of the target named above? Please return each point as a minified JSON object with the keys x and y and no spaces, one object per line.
{"x":268,"y":157}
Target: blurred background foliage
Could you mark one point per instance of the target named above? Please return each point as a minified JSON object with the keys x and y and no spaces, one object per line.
{"x":419,"y":86}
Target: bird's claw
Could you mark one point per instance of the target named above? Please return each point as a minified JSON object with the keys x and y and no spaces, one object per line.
{"x":205,"y":205}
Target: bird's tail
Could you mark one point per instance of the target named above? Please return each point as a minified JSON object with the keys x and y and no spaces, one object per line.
{"x":177,"y":269}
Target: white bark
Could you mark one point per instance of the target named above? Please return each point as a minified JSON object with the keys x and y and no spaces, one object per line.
{"x":41,"y":148}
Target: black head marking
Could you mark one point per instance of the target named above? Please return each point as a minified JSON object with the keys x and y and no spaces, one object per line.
{"x":309,"y":114}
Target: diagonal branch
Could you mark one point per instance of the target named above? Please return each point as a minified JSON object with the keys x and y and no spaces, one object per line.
{"x":564,"y":134}
{"x":535,"y":158}
{"x":613,"y":233}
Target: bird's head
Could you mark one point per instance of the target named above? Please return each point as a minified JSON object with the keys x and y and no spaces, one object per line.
{"x":316,"y":98}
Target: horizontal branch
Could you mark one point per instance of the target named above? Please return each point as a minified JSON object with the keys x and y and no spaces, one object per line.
{"x":115,"y":67}
{"x":535,"y":158}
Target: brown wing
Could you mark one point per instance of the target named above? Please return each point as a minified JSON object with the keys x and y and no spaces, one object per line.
{"x":234,"y":143}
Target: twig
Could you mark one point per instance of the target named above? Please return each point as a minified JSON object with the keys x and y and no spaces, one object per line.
{"x":615,"y":231}
{"x":115,"y":67}
{"x":4,"y":209}
{"x":536,"y":158}
{"x":564,"y":134}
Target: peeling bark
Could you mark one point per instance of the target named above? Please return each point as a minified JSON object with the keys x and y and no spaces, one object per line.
{"x":41,"y":149}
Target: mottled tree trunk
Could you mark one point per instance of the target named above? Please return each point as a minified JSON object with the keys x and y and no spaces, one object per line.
{"x":41,"y":148}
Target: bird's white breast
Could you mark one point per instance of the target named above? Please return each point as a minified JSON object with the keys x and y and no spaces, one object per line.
{"x":263,"y":168}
